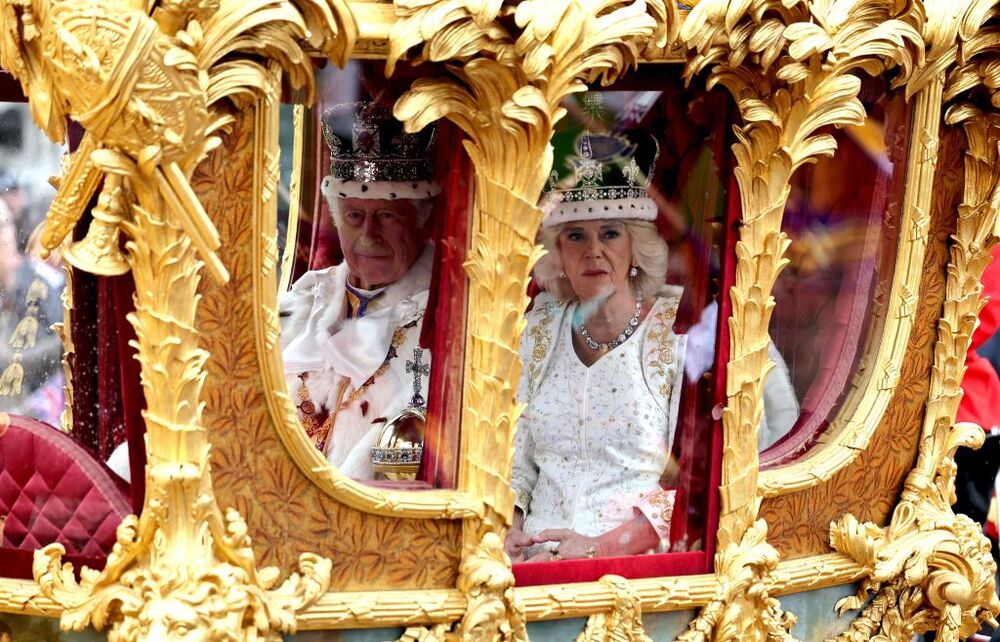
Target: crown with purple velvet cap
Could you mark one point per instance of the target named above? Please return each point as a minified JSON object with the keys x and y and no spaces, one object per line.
{"x":372,"y":156}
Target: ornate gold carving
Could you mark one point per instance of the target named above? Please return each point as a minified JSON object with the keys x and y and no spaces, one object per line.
{"x":742,"y":608}
{"x":362,"y":609}
{"x":862,"y":411}
{"x":69,"y":350}
{"x":929,"y":568}
{"x":509,"y":67}
{"x":790,"y":72}
{"x":789,"y":82}
{"x":152,"y":91}
{"x":206,"y":574}
{"x":100,"y":251}
{"x":623,"y":623}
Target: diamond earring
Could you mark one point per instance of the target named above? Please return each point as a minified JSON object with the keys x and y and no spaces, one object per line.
{"x":562,"y":275}
{"x":633,"y":271}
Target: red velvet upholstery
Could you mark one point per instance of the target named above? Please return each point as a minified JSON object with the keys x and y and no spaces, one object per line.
{"x":53,"y":490}
{"x":632,"y":567}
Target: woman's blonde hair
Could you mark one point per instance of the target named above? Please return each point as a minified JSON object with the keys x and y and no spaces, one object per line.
{"x":649,"y":256}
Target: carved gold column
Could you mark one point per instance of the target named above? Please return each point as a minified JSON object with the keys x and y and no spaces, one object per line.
{"x":510,"y":65}
{"x":931,"y":569}
{"x":790,"y":67}
{"x":152,"y":91}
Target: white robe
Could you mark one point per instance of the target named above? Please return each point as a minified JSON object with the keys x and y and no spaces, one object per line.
{"x":341,"y":354}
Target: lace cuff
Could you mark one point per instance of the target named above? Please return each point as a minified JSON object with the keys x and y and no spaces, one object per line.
{"x":522,"y":496}
{"x":658,"y":508}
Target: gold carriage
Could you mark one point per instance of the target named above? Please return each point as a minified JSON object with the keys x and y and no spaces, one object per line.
{"x":828,"y":190}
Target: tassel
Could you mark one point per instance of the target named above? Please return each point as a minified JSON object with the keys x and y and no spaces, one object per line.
{"x":37,"y":292}
{"x":25,"y":334}
{"x":12,"y":377}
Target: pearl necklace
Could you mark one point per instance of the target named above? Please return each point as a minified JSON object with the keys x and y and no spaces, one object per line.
{"x":630,"y":327}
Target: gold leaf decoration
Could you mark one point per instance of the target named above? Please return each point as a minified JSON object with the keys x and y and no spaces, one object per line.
{"x":790,"y":80}
{"x":153,"y":91}
{"x":623,"y":623}
{"x":509,"y":65}
{"x":931,"y":566}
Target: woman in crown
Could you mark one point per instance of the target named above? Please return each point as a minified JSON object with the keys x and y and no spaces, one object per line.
{"x":603,"y":368}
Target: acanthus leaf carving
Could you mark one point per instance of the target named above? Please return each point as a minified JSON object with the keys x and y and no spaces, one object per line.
{"x":930,"y":569}
{"x":791,"y":68}
{"x":153,"y":91}
{"x":509,"y":64}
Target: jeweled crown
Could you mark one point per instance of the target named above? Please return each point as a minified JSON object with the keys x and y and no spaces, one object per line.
{"x":605,"y":167}
{"x":368,"y":145}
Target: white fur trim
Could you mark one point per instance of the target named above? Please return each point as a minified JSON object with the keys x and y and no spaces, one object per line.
{"x":643,"y":209}
{"x":335,"y":188}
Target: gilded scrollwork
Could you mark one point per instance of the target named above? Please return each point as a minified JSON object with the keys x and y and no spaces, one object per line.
{"x":791,"y":68}
{"x":153,"y":90}
{"x":509,"y":65}
{"x":623,"y":623}
{"x":743,"y":609}
{"x":929,"y":568}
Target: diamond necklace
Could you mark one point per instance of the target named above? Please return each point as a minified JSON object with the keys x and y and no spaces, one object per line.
{"x":630,"y":327}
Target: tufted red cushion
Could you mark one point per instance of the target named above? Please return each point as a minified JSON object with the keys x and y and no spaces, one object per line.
{"x":53,"y":490}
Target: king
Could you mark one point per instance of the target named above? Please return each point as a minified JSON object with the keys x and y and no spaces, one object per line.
{"x":348,"y":331}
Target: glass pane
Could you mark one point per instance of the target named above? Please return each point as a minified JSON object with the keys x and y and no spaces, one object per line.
{"x":613,"y":453}
{"x":32,"y":628}
{"x":379,"y":245}
{"x":842,"y":219}
{"x":56,"y":486}
{"x":32,"y":381}
{"x":287,"y":210}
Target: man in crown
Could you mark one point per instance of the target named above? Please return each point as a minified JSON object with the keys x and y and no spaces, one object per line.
{"x":350,"y":333}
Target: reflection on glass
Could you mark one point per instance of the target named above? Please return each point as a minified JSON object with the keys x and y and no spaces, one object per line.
{"x":286,"y":147}
{"x":56,"y":487}
{"x":35,"y":628}
{"x":356,"y":364}
{"x":841,"y":220}
{"x":627,"y":229}
{"x":31,"y":378}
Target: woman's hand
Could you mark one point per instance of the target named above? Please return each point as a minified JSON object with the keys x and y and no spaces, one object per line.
{"x":515,"y":544}
{"x":569,"y":545}
{"x":516,"y":540}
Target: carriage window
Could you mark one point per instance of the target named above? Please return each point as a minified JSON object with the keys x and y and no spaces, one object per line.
{"x":613,"y":450}
{"x":31,"y":350}
{"x":842,"y":220}
{"x":375,"y":255}
{"x":63,"y":442}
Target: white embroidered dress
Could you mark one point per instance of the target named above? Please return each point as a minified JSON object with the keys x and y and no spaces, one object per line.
{"x":593,"y":442}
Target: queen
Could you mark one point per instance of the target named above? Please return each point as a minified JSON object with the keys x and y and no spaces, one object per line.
{"x":603,"y":367}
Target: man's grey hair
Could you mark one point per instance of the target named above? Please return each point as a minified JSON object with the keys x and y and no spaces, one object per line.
{"x":649,"y":256}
